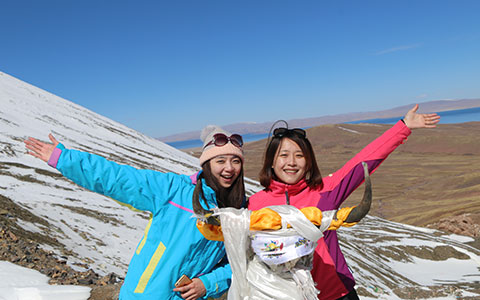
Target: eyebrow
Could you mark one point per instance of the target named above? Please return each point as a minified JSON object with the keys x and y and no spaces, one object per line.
{"x":227,"y":156}
{"x":285,"y":150}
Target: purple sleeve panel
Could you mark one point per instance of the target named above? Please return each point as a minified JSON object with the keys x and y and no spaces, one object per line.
{"x":53,"y":160}
{"x":333,"y":199}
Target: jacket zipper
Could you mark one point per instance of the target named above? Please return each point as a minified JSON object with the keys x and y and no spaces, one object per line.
{"x":288,"y":199}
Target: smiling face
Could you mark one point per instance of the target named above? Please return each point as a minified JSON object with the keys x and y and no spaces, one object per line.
{"x":226,"y":168}
{"x":289,"y":164}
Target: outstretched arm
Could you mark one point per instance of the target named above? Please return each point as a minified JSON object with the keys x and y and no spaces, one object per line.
{"x":142,"y":189}
{"x":412,"y":120}
{"x":339,"y":185}
{"x":415,"y":120}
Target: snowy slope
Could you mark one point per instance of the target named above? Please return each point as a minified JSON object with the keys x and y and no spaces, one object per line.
{"x":389,"y":260}
{"x":94,"y":228}
{"x":397,"y":261}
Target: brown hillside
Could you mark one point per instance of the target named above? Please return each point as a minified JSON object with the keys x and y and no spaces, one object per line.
{"x":435,"y":174}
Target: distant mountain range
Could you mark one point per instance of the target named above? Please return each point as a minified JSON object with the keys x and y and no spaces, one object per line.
{"x":259,"y":128}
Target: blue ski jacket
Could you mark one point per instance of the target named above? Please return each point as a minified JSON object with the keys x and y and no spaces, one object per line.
{"x":172,"y":245}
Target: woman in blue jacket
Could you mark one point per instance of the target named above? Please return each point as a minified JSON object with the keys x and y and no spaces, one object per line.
{"x":172,"y":245}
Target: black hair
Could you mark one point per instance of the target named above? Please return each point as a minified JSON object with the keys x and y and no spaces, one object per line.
{"x":313,"y":176}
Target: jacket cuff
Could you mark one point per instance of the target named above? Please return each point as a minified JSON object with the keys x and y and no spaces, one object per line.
{"x":402,"y":127}
{"x":53,"y":160}
{"x":210,"y":290}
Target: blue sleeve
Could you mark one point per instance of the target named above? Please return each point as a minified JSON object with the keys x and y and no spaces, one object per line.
{"x":218,"y":281}
{"x":143,"y":189}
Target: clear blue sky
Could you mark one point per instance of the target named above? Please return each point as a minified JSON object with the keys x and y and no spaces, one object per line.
{"x":164,"y":67}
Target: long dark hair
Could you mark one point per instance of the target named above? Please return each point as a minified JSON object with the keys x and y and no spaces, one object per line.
{"x":226,"y":197}
{"x":312,"y":177}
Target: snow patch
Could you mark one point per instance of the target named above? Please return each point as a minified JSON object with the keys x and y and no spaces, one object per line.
{"x":348,"y":130}
{"x":19,"y":283}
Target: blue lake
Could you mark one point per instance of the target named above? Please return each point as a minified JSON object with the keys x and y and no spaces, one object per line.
{"x":447,"y":117}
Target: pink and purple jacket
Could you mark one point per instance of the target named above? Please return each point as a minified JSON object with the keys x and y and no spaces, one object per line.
{"x":330,"y":270}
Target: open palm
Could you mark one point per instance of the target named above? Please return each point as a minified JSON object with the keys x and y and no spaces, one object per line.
{"x":41,"y":149}
{"x":415,"y":120}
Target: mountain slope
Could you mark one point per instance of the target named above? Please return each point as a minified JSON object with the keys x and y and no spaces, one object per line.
{"x":84,"y":226}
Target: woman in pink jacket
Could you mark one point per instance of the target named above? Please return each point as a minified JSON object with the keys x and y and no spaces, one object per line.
{"x":291,"y":176}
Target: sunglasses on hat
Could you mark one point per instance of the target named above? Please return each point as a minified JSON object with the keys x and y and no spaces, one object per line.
{"x":221,"y":139}
{"x":282,"y":131}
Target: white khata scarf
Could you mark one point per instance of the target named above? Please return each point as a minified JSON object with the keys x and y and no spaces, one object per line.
{"x":274,"y":264}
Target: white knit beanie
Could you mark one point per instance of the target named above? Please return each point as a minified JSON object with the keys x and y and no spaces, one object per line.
{"x":211,"y":150}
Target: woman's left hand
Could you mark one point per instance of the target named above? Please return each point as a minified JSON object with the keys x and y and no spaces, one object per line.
{"x":415,"y":120}
{"x":193,"y":290}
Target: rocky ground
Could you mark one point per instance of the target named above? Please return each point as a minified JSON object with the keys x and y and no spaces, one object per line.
{"x":27,"y":253}
{"x":465,"y":224}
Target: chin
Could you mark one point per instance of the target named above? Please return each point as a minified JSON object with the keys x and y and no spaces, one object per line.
{"x":290,"y":180}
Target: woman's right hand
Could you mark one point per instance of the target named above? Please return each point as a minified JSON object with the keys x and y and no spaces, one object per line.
{"x":193,"y":290}
{"x":40,"y":149}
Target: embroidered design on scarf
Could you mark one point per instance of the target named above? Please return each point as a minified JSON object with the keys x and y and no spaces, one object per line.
{"x":272,"y":246}
{"x":301,"y":242}
{"x":274,"y":250}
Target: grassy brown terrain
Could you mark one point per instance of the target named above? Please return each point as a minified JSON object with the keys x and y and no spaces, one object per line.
{"x":435,"y":174}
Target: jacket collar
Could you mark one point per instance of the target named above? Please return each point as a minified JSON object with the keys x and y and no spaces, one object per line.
{"x":278,"y":187}
{"x":208,"y":191}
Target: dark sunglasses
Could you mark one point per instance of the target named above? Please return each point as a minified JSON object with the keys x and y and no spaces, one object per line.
{"x":221,"y":139}
{"x":282,"y":131}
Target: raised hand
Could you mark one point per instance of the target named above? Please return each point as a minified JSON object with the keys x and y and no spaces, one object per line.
{"x":41,"y":149}
{"x":415,"y":120}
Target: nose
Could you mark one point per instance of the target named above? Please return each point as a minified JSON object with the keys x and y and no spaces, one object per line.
{"x":291,"y":160}
{"x":228,"y":166}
